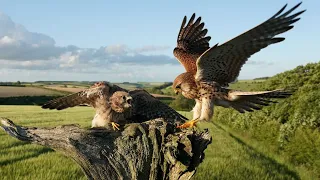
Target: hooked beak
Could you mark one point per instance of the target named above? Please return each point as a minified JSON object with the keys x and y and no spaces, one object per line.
{"x":129,"y":100}
{"x":176,"y":92}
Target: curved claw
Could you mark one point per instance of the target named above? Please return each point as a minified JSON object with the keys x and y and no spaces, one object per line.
{"x":115,"y":126}
{"x":189,"y":124}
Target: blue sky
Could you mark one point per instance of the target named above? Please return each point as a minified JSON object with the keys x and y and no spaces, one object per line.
{"x":68,"y":40}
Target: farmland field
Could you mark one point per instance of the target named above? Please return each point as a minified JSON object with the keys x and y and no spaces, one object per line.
{"x":228,"y":157}
{"x":77,"y":89}
{"x":47,"y":89}
{"x":66,"y":89}
{"x":9,"y":91}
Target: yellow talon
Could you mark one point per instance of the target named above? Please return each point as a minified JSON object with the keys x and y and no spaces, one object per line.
{"x":189,"y":124}
{"x":115,"y":126}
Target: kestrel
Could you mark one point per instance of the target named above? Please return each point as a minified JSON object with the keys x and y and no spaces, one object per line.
{"x":115,"y":105}
{"x":210,"y":70}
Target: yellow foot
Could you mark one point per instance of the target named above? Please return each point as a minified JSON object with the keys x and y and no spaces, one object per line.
{"x":115,"y":126}
{"x":189,"y":124}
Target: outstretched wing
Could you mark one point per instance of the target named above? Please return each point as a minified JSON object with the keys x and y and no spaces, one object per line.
{"x":223,"y":63}
{"x":249,"y":101}
{"x":191,"y":43}
{"x":147,"y":107}
{"x":94,"y":96}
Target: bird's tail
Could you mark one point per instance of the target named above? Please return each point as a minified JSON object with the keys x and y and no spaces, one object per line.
{"x":250,"y":101}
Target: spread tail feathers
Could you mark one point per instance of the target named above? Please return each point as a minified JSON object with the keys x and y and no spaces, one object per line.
{"x":250,"y":101}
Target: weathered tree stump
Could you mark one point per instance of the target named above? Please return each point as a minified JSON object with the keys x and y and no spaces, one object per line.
{"x":149,"y":150}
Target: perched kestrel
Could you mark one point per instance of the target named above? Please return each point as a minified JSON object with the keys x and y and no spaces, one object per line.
{"x":115,"y":105}
{"x":210,"y":70}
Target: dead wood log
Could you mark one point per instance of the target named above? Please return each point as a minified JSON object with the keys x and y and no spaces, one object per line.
{"x":149,"y":150}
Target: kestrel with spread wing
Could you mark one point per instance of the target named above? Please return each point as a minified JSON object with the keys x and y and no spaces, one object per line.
{"x":210,"y":70}
{"x":115,"y":105}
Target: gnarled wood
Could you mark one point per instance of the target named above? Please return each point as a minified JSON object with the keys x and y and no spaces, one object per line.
{"x":150,"y":150}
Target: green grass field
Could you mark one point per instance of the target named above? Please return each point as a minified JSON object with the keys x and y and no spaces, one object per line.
{"x":228,"y":157}
{"x":19,"y":160}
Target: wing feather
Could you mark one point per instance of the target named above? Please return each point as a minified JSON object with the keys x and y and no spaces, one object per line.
{"x":147,"y":106}
{"x":249,"y":101}
{"x":223,"y":63}
{"x":191,"y":42}
{"x":66,"y":101}
{"x":93,"y":96}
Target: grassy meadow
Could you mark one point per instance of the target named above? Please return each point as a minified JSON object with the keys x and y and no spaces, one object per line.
{"x":19,"y":160}
{"x":228,"y":157}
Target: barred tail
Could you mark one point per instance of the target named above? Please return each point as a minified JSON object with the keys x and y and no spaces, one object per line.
{"x":250,"y":101}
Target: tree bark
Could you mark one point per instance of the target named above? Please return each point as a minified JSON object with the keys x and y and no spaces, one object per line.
{"x":149,"y":150}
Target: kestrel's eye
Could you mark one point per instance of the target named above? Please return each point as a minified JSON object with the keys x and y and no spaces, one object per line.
{"x":178,"y":86}
{"x":123,"y":97}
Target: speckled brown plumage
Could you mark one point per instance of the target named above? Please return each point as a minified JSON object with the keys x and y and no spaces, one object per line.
{"x":210,"y":70}
{"x":115,"y":104}
{"x":191,"y":43}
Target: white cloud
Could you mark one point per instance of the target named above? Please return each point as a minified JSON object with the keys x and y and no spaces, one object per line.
{"x":19,"y":33}
{"x":259,"y":63}
{"x":28,"y":65}
{"x":120,"y":49}
{"x":68,"y":59}
{"x":150,"y":48}
{"x":116,"y":49}
{"x":22,"y":49}
{"x":7,"y":41}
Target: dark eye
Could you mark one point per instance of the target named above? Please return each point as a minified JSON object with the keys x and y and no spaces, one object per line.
{"x":123,"y":97}
{"x":178,"y":86}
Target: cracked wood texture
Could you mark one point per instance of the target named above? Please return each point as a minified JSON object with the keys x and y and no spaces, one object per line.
{"x":149,"y":150}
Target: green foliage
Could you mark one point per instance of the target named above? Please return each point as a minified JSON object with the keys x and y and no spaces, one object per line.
{"x":246,"y":85}
{"x":296,"y":78}
{"x":154,"y":90}
{"x":290,"y":127}
{"x":304,"y":147}
{"x":168,"y":91}
{"x":18,"y":84}
{"x":301,"y":109}
{"x":165,"y":85}
{"x":159,"y":89}
{"x":261,"y":78}
{"x":182,"y":104}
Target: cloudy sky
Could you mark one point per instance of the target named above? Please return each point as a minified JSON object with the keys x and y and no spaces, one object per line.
{"x":133,"y":41}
